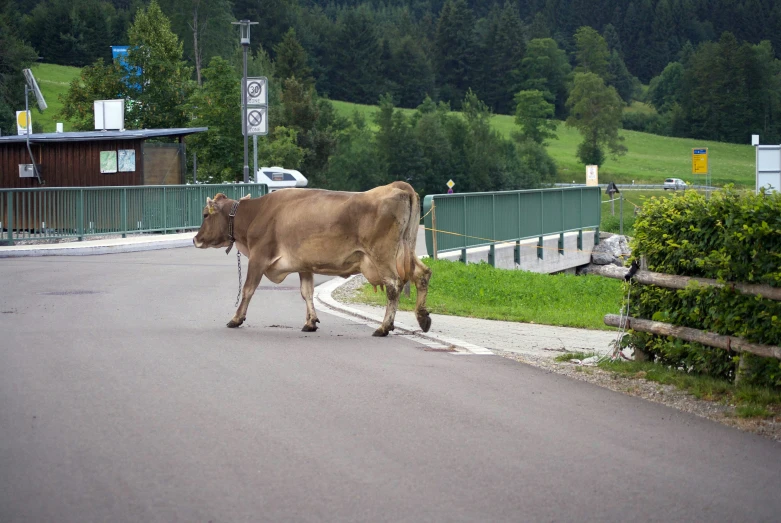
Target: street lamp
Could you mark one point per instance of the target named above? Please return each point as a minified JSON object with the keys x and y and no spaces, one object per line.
{"x":244,"y":26}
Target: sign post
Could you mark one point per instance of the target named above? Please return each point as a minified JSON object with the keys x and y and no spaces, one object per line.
{"x":700,"y":165}
{"x":244,"y":26}
{"x":31,"y":87}
{"x":255,"y":112}
{"x":592,"y":175}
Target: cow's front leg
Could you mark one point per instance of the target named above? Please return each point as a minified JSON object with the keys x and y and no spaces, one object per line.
{"x":392,"y":290}
{"x":307,"y":292}
{"x":254,"y":275}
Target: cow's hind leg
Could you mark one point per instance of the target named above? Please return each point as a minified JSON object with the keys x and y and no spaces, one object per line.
{"x":307,"y":292}
{"x":254,"y":274}
{"x":393,"y":286}
{"x":420,"y":277}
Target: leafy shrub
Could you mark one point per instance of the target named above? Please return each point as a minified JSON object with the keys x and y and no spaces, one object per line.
{"x":729,"y":237}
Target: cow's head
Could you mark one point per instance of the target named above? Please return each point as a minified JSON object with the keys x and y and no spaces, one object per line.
{"x":214,"y":229}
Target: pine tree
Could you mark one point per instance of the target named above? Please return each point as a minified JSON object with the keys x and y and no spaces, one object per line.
{"x":411,"y":73}
{"x":545,"y":68}
{"x":164,"y":84}
{"x":353,"y":57}
{"x":612,"y":40}
{"x":619,"y":77}
{"x":204,"y":27}
{"x":292,"y":60}
{"x":591,"y":52}
{"x":504,"y":61}
{"x":454,"y":47}
{"x":15,"y":55}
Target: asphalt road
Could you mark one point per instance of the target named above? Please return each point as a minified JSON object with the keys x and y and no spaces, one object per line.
{"x":123,"y":397}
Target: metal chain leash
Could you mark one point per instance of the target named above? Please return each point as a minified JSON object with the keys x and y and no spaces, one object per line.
{"x":238,"y":260}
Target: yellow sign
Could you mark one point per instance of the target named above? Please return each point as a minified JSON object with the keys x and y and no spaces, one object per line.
{"x":700,"y":161}
{"x":22,"y":118}
{"x":450,"y":183}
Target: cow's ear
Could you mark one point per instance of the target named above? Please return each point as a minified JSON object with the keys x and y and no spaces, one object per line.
{"x":246,"y":197}
{"x":210,"y":205}
{"x":220,"y":196}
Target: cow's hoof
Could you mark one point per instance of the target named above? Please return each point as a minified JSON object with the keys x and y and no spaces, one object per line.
{"x":424,"y":322}
{"x":380,"y":333}
{"x":233,"y":323}
{"x":307,"y":328}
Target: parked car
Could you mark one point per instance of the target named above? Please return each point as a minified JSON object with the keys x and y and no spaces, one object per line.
{"x":674,"y":184}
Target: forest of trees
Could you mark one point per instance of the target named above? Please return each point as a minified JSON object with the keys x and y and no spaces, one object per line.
{"x":709,"y":69}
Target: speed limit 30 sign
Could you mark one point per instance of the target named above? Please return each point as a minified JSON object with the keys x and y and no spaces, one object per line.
{"x":257,"y":90}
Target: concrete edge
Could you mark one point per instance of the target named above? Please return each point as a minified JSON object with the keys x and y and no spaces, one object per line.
{"x":323,"y":295}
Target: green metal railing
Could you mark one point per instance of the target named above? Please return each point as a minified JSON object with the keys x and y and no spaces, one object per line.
{"x":63,"y":212}
{"x":462,"y":221}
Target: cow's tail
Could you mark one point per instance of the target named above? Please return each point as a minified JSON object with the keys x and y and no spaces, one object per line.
{"x":409,"y":238}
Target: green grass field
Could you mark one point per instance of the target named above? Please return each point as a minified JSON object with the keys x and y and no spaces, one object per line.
{"x":650,"y":158}
{"x":480,"y":291}
{"x":53,"y":80}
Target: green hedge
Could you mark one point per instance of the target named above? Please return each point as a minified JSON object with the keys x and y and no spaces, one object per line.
{"x":730,"y":237}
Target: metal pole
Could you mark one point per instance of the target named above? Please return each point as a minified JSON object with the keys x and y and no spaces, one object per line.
{"x":255,"y":154}
{"x":621,"y":212}
{"x":195,"y":168}
{"x":434,"y":228}
{"x":27,"y":136}
{"x":244,"y":115}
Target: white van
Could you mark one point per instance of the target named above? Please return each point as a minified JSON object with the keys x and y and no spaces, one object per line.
{"x":280,"y":178}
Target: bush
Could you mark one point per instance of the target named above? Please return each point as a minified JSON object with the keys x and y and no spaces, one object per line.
{"x":729,"y":237}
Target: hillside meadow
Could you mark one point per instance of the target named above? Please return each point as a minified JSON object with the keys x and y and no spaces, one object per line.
{"x":650,"y":158}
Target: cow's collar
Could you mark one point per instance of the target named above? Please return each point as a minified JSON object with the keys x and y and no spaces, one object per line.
{"x":230,"y":225}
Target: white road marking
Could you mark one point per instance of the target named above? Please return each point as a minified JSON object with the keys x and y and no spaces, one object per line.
{"x":322,"y":296}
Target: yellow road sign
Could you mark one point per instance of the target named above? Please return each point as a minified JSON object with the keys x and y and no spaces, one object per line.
{"x":700,"y":161}
{"x":450,"y":183}
{"x":22,"y":118}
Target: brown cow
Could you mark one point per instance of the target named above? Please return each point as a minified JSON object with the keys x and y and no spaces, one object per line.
{"x":312,"y":231}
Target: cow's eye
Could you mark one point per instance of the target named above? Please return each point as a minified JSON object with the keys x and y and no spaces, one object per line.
{"x":205,"y":215}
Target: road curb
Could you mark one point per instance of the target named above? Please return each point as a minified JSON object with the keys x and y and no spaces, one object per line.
{"x":85,"y":249}
{"x":323,"y":294}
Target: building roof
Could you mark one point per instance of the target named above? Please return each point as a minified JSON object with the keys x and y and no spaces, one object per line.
{"x":90,"y":136}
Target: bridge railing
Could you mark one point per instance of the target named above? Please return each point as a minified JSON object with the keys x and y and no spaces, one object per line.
{"x":460,"y":221}
{"x":67,"y":212}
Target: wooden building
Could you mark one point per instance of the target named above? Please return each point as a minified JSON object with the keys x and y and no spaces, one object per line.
{"x":95,"y":158}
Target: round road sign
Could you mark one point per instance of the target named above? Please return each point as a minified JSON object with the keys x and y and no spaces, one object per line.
{"x":254,"y":88}
{"x":254,"y":118}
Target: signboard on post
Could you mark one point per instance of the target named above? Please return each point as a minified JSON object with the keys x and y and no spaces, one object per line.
{"x":257,"y":120}
{"x":256,"y":110}
{"x":22,"y":121}
{"x":592,"y":175}
{"x":257,"y":90}
{"x":700,"y":161}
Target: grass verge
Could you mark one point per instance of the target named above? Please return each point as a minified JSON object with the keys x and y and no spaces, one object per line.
{"x":749,"y":401}
{"x":480,"y":291}
{"x":574,"y":356}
